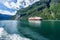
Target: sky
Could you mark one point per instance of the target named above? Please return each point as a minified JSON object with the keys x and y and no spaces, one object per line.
{"x":10,"y":7}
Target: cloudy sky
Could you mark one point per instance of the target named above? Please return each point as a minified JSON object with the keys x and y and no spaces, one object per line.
{"x":10,"y":7}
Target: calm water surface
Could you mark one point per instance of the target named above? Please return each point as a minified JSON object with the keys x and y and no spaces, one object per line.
{"x":33,"y":30}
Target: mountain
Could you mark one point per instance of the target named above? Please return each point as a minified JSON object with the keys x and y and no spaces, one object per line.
{"x":26,"y":3}
{"x":10,"y":7}
{"x":47,"y":9}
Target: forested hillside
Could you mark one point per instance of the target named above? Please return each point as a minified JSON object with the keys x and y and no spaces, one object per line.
{"x":47,"y":9}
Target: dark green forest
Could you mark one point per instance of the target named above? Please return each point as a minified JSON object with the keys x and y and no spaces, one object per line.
{"x":47,"y":9}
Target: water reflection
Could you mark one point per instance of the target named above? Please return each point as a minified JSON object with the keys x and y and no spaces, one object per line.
{"x":9,"y":26}
{"x":51,"y":29}
{"x":8,"y":31}
{"x":35,"y":30}
{"x":35,"y":23}
{"x":27,"y":29}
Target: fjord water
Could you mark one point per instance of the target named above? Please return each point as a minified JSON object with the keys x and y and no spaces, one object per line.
{"x":31,"y":30}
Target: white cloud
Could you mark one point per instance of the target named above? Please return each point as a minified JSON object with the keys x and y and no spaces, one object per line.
{"x":7,"y":12}
{"x":19,"y":3}
{"x":7,"y":4}
{"x":30,"y":2}
{"x":13,"y":5}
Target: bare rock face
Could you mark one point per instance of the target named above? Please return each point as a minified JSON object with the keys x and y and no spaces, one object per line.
{"x":5,"y":36}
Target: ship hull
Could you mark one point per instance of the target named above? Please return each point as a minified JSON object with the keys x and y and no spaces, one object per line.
{"x":35,"y":18}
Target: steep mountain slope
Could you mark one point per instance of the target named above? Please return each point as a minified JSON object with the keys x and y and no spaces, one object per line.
{"x":47,"y":9}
